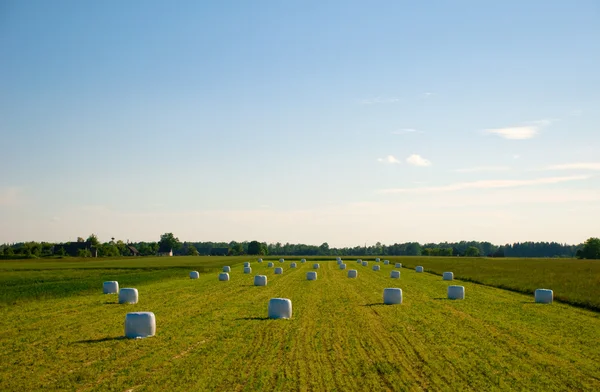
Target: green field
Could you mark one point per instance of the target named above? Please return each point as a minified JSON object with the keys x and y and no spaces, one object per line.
{"x":214,"y":335}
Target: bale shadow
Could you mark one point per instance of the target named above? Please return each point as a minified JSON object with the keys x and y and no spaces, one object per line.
{"x":252,"y":318}
{"x":442,"y":299}
{"x":374,"y":304}
{"x":111,"y":303}
{"x":106,"y":339}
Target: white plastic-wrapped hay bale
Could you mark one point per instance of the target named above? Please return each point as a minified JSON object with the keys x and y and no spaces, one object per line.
{"x":392,"y":296}
{"x":352,"y":273}
{"x":260,"y":260}
{"x":456,"y":292}
{"x":140,"y":325}
{"x":111,"y":287}
{"x":419,"y":269}
{"x":376,"y":268}
{"x":338,"y":259}
{"x":270,"y":265}
{"x":260,"y":280}
{"x":448,"y":276}
{"x":395,"y":275}
{"x":247,"y":264}
{"x":342,"y":266}
{"x":398,"y":265}
{"x":544,"y":296}
{"x":227,"y":269}
{"x":247,"y":270}
{"x":293,"y":265}
{"x":224,"y":276}
{"x":303,"y":260}
{"x":364,"y":263}
{"x":377,"y":260}
{"x":311,"y":275}
{"x":194,"y":275}
{"x":316,"y":266}
{"x":339,"y":262}
{"x":278,"y":271}
{"x":128,"y":296}
{"x":281,"y":260}
{"x":280,"y":308}
{"x":386,"y":262}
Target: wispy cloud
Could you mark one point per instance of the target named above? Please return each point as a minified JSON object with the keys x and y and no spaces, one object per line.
{"x":576,"y":113}
{"x":482,"y":169}
{"x":417,"y":160}
{"x":389,"y":159}
{"x":376,"y":100}
{"x":487,"y":184}
{"x":10,"y":196}
{"x":575,"y":166}
{"x":521,"y":132}
{"x":426,"y":95}
{"x":405,"y":131}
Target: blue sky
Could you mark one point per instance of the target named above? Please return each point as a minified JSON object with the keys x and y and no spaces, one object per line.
{"x":346,"y":122}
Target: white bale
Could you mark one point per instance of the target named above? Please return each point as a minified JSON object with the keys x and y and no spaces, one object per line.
{"x":364,"y":263}
{"x":293,"y":265}
{"x":456,"y":292}
{"x":544,"y":296}
{"x":140,"y":325}
{"x":111,"y":287}
{"x":376,"y":268}
{"x":342,"y":266}
{"x":398,"y":265}
{"x":278,"y":271}
{"x":395,"y":275}
{"x":419,"y":269}
{"x":311,"y":275}
{"x":260,"y":280}
{"x":352,"y":273}
{"x":386,"y":262}
{"x":194,"y":275}
{"x":338,"y":258}
{"x":260,"y":260}
{"x":316,"y":266}
{"x":280,"y":308}
{"x":303,"y":260}
{"x":128,"y":296}
{"x":223,"y":276}
{"x":247,"y":264}
{"x":270,"y":265}
{"x":377,"y":260}
{"x":247,"y":270}
{"x":227,"y":269}
{"x":339,"y":262}
{"x":392,"y":296}
{"x":281,"y":260}
{"x":448,"y":276}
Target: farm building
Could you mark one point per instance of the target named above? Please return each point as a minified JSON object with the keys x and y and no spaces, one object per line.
{"x":164,"y":251}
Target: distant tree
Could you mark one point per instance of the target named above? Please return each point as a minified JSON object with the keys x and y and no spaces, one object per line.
{"x":413,"y":249}
{"x":237,"y":249}
{"x":80,"y":239}
{"x":8,"y":251}
{"x":84,"y":253}
{"x":255,"y":248}
{"x":591,"y":249}
{"x":108,"y":249}
{"x":169,"y":241}
{"x":93,"y":240}
{"x":324,"y":249}
{"x":191,"y":250}
{"x":472,"y":251}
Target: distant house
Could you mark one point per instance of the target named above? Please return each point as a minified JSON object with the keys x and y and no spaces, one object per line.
{"x":133,"y":250}
{"x":165,"y":251}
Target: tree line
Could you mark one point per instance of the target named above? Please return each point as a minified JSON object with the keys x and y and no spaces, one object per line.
{"x":92,"y":247}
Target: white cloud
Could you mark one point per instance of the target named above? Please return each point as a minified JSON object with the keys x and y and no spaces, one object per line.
{"x":522,"y":132}
{"x":482,"y":169}
{"x":426,"y":95}
{"x":417,"y":160}
{"x":576,"y":166}
{"x":487,"y":184}
{"x":10,"y":196}
{"x":389,"y":159}
{"x":405,"y":131}
{"x":376,"y":100}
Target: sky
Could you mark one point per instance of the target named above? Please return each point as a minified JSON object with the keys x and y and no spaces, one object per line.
{"x":346,"y":122}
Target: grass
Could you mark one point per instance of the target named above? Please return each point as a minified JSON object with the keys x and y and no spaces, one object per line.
{"x":214,"y":335}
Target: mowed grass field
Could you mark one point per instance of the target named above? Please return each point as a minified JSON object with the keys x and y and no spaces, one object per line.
{"x":214,"y":335}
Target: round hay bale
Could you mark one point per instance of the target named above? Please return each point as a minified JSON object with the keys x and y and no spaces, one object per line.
{"x":342,"y":266}
{"x":280,"y":308}
{"x":260,"y":260}
{"x":247,"y":270}
{"x":223,"y":276}
{"x":303,"y":260}
{"x":316,"y":266}
{"x":311,"y":275}
{"x":247,"y":264}
{"x":364,"y":263}
{"x":398,"y":265}
{"x":544,"y":296}
{"x":260,"y":280}
{"x":128,"y":296}
{"x":456,"y":292}
{"x":227,"y":269}
{"x":359,"y":261}
{"x":377,"y":260}
{"x":278,"y":271}
{"x":395,"y":275}
{"x":352,"y":273}
{"x":194,"y":275}
{"x":386,"y":262}
{"x":448,"y":276}
{"x":338,"y":259}
{"x":339,"y":262}
{"x":419,"y":269}
{"x":270,"y":265}
{"x":376,"y":268}
{"x":111,"y":287}
{"x":140,"y":325}
{"x":392,"y":296}
{"x":293,"y":265}
{"x":281,"y":260}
